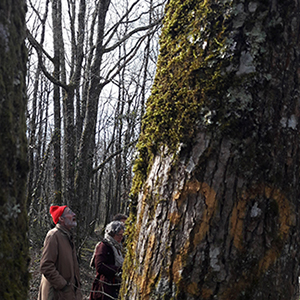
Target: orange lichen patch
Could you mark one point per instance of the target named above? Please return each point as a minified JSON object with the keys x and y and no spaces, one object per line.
{"x":191,"y":187}
{"x":175,"y":218}
{"x":211,"y":205}
{"x":193,"y":289}
{"x":284,"y":226}
{"x":235,"y":289}
{"x":238,"y":213}
{"x":284,"y":210}
{"x":146,"y":280}
{"x":268,"y":260}
{"x":237,"y":222}
{"x":142,"y":209}
{"x":206,"y":293}
{"x":146,"y":193}
{"x":134,"y":231}
{"x":177,"y":267}
{"x":177,"y":196}
{"x":243,"y":283}
{"x":195,"y":187}
{"x":179,"y":262}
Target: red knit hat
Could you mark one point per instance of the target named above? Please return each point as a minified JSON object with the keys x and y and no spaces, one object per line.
{"x":56,"y":211}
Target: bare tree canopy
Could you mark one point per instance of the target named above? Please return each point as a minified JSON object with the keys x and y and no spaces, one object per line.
{"x":14,"y":276}
{"x":216,"y":187}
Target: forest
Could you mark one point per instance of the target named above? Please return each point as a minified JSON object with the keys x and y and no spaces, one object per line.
{"x":91,"y":65}
{"x":182,"y":114}
{"x":90,"y":69}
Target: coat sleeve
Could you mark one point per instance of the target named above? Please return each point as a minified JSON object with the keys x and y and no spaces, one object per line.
{"x":104,"y":261}
{"x":48,"y":263}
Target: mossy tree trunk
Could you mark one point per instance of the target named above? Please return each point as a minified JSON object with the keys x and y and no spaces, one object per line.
{"x":13,"y":152}
{"x":216,"y":187}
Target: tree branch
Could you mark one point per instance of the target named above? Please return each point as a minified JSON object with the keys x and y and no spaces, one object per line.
{"x":39,"y":49}
{"x":127,"y":36}
{"x":129,"y":56}
{"x":95,"y":170}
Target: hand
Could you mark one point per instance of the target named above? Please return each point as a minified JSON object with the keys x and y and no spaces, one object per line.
{"x":119,"y":274}
{"x":66,"y":286}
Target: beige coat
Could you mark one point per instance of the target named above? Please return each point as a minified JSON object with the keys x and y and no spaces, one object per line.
{"x":59,"y":267}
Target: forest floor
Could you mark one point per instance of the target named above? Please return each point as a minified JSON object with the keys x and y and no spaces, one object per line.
{"x":87,"y":273}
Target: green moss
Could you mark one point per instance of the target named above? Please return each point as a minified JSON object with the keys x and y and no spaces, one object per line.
{"x":187,"y":82}
{"x":210,"y":76}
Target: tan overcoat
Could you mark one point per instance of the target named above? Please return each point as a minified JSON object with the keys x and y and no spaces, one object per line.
{"x":59,"y":267}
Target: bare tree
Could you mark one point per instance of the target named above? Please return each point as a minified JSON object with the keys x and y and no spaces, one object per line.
{"x":216,"y":182}
{"x":14,"y":276}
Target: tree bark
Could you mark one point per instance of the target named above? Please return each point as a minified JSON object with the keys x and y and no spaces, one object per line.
{"x":216,"y":184}
{"x":33,"y":127}
{"x":14,"y":276}
{"x":87,"y":142}
{"x":56,"y":21}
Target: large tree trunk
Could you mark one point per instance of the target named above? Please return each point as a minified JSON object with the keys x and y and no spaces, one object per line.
{"x":14,"y":259}
{"x":217,"y":179}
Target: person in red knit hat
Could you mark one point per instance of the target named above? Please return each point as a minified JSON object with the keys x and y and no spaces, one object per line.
{"x":56,"y":212}
{"x":59,"y":265}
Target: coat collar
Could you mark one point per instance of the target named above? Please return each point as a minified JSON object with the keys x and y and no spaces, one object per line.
{"x":64,"y":230}
{"x":67,"y":233}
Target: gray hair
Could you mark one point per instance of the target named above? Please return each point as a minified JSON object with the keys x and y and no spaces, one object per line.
{"x":114,"y":228}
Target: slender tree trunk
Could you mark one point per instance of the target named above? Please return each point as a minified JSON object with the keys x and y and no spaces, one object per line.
{"x":32,"y":141}
{"x":146,"y":62}
{"x":14,"y":276}
{"x":87,"y":142}
{"x":79,"y":52}
{"x":217,"y":179}
{"x":56,"y":16}
{"x":33,"y":123}
{"x":69,"y":147}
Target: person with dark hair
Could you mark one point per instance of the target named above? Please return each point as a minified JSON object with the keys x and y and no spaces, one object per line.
{"x":108,"y":260}
{"x":120,"y":217}
{"x":59,"y":265}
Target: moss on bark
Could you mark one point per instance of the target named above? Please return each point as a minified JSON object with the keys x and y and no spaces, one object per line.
{"x":227,"y":88}
{"x":219,"y":70}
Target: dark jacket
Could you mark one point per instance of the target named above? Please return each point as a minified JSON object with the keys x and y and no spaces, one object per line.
{"x":106,"y":279}
{"x":59,"y":266}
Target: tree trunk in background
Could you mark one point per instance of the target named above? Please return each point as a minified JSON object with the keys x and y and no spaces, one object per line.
{"x":33,"y":128}
{"x":69,"y":147}
{"x":14,"y":276}
{"x":216,"y":182}
{"x":56,"y":21}
{"x":78,"y":69}
{"x":86,"y":150}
